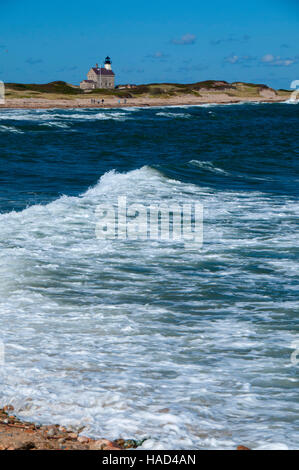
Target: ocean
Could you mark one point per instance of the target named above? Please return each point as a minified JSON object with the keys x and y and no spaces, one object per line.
{"x":188,"y":347}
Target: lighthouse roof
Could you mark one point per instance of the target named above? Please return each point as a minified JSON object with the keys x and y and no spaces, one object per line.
{"x":102,"y":71}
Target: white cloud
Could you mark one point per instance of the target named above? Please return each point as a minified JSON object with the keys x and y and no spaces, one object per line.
{"x":185,"y":40}
{"x":270,"y":59}
{"x":235,"y":59}
{"x":158,"y":55}
{"x":242,"y":39}
{"x":267,"y":59}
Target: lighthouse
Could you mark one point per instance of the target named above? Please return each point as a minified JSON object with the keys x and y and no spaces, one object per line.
{"x":99,"y":77}
{"x":108,"y":63}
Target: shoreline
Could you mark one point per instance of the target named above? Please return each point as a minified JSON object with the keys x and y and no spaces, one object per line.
{"x":16,"y":434}
{"x":33,"y":103}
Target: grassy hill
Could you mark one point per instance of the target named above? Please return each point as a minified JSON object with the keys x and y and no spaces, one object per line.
{"x":63,"y":90}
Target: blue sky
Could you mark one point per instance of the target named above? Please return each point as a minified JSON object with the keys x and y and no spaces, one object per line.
{"x":154,"y":41}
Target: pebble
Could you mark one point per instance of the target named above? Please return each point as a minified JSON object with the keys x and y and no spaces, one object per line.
{"x":52,"y":431}
{"x":100,"y":444}
{"x":8,"y":408}
{"x":111,"y":448}
{"x":83,"y":439}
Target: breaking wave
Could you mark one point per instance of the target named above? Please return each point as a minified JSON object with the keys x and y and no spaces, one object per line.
{"x":97,"y":334}
{"x":187,"y":347}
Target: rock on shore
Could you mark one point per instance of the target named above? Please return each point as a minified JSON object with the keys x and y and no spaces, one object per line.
{"x":22,"y":435}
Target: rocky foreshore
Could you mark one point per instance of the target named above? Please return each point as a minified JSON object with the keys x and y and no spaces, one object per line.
{"x":22,"y":435}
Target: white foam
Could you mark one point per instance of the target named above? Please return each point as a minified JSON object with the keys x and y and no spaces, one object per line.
{"x":290,"y":101}
{"x":174,"y":115}
{"x":132,"y":109}
{"x":12,"y":129}
{"x":273,"y":446}
{"x":207,"y":166}
{"x":114,"y":116}
{"x":94,"y":338}
{"x":54,"y":116}
{"x":55,"y":124}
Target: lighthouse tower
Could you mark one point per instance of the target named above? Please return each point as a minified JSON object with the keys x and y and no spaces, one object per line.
{"x":108,"y":63}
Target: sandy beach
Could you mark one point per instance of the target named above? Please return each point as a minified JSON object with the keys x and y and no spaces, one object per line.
{"x":113,"y":102}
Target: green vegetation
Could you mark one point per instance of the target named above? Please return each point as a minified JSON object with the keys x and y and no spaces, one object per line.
{"x":104,"y":92}
{"x":58,"y":87}
{"x":172,"y":89}
{"x":62,"y":90}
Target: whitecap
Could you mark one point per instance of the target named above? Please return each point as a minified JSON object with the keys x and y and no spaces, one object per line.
{"x":55,"y":124}
{"x":10,"y":129}
{"x":208,"y":166}
{"x":174,"y":115}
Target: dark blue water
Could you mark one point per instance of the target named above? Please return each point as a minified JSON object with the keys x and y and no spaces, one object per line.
{"x":256,"y":144}
{"x":188,"y":348}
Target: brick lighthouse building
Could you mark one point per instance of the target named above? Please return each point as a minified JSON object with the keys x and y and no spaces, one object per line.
{"x":99,"y":77}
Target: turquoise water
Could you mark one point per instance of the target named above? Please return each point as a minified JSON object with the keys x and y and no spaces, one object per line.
{"x":187,"y":347}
